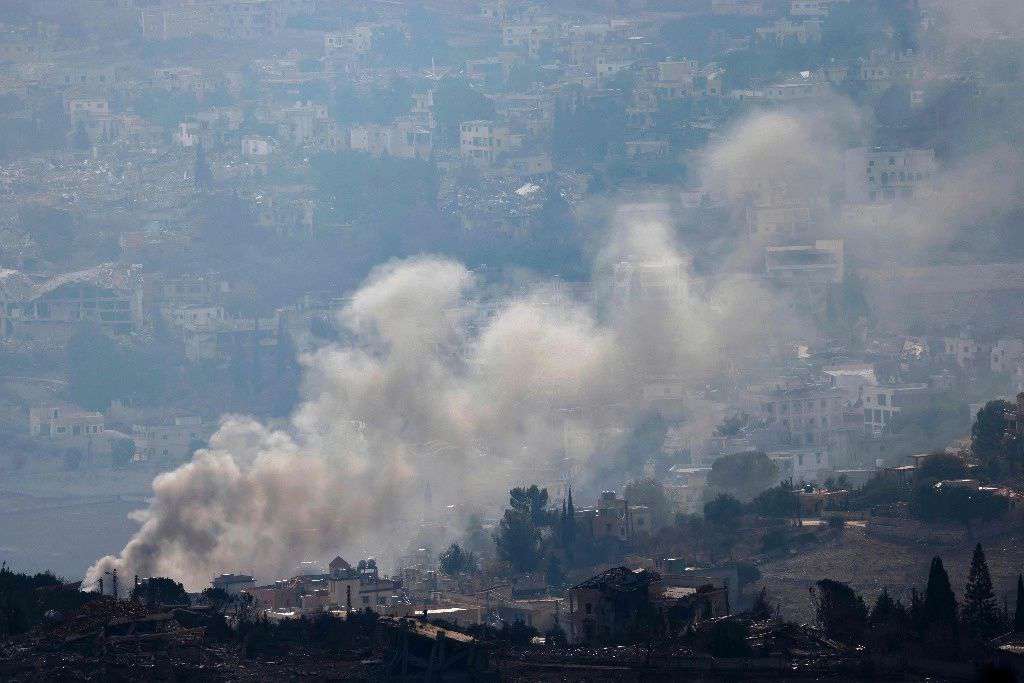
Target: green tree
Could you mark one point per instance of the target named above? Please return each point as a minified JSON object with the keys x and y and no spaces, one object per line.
{"x":743,"y":475}
{"x":723,"y":511}
{"x":518,"y":541}
{"x":881,"y":490}
{"x":25,"y":598}
{"x":980,"y":614}
{"x":939,"y":613}
{"x":840,"y":611}
{"x":732,"y":425}
{"x":988,"y":434}
{"x":531,"y":502}
{"x":217,"y":598}
{"x":728,"y":638}
{"x":455,"y":560}
{"x":160,"y":590}
{"x":888,"y":624}
{"x":939,"y":467}
{"x":778,"y":501}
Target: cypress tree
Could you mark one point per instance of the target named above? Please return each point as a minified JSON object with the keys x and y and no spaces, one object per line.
{"x":883,"y":611}
{"x":888,"y":623}
{"x":981,"y":618}
{"x":1018,"y":615}
{"x":570,"y":513}
{"x":939,"y":612}
{"x":917,"y":619}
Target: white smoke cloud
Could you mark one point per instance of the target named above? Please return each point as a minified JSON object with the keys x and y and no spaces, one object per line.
{"x":438,"y":383}
{"x":970,"y":20}
{"x":437,"y":386}
{"x":794,"y":157}
{"x":789,"y":155}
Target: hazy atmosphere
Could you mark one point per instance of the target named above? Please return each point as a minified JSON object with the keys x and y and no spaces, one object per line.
{"x":692,"y":327}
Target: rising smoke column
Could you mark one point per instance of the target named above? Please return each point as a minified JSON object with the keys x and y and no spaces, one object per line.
{"x":433,"y":385}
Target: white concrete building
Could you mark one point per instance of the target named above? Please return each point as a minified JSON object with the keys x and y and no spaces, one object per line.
{"x":62,"y":422}
{"x":883,"y":403}
{"x":255,"y":147}
{"x":815,"y":264}
{"x":852,"y":379}
{"x":963,"y":349}
{"x":233,"y":584}
{"x":171,"y":439}
{"x":881,"y":175}
{"x":804,"y":416}
{"x":1006,"y":355}
{"x":784,"y":32}
{"x":809,"y":465}
{"x":482,"y":142}
{"x":812,"y":8}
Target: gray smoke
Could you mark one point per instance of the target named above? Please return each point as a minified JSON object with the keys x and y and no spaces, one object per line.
{"x":794,"y":157}
{"x":437,"y":385}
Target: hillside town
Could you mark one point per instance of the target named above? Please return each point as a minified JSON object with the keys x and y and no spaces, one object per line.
{"x":488,"y":339}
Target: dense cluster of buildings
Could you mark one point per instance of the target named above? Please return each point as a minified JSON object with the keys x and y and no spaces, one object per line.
{"x":595,"y":611}
{"x":117,"y":135}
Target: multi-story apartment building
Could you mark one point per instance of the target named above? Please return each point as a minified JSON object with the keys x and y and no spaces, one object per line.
{"x":884,"y":402}
{"x":880,"y":175}
{"x":170,"y":440}
{"x":482,"y":142}
{"x":799,"y":415}
{"x":64,"y":422}
{"x":1006,"y":355}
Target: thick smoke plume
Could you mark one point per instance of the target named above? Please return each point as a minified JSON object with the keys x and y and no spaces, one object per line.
{"x":437,"y":386}
{"x":795,"y":157}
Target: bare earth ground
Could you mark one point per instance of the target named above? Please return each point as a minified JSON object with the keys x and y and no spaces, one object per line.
{"x":870,"y":564}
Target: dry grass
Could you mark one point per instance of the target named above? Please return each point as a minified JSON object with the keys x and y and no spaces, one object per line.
{"x":870,"y":564}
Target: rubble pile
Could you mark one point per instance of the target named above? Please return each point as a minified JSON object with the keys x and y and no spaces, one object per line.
{"x":792,"y":640}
